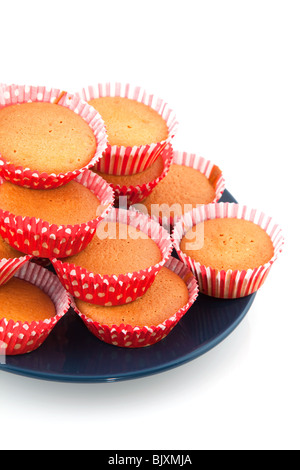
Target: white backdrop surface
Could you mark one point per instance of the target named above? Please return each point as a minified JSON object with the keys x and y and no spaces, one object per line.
{"x":230,"y":70}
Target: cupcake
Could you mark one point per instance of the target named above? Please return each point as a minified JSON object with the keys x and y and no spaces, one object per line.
{"x":121,"y":261}
{"x":47,"y":138}
{"x":54,"y":222}
{"x":148,"y":319}
{"x":190,"y":182}
{"x":229,"y":247}
{"x":131,"y":189}
{"x":11,"y":261}
{"x":31,"y":304}
{"x":139,"y":126}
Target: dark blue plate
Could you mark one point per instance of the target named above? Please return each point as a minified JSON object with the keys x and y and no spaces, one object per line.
{"x":72,"y":354}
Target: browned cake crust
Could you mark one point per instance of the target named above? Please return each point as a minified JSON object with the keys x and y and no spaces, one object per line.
{"x":228,"y":243}
{"x":22,"y":301}
{"x":45,"y":137}
{"x":182,"y":186}
{"x":121,"y":249}
{"x":163,"y":299}
{"x":70,"y":204}
{"x":130,"y":122}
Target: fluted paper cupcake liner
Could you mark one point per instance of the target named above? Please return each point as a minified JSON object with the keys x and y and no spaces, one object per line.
{"x":116,"y":289}
{"x":44,"y":240}
{"x":18,"y":337}
{"x":131,"y":336}
{"x":135,"y":194}
{"x":9,"y":267}
{"x":29,"y":177}
{"x":228,"y":284}
{"x":121,"y":160}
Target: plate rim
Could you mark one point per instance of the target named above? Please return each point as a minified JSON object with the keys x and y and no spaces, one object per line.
{"x":146,"y":372}
{"x":141,"y":373}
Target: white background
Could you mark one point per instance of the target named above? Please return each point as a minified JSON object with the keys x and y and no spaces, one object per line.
{"x":230,"y":70}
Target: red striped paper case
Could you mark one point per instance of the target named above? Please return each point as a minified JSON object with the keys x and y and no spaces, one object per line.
{"x":121,"y":160}
{"x":24,"y":337}
{"x":44,"y":240}
{"x":116,"y":289}
{"x":29,"y":177}
{"x":9,"y":267}
{"x":131,"y":336}
{"x":135,"y":194}
{"x":228,"y":284}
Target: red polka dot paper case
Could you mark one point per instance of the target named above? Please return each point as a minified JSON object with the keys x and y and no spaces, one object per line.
{"x":228,"y":284}
{"x":124,"y":288}
{"x":121,"y":160}
{"x":131,"y":336}
{"x":39,"y":238}
{"x":29,"y":177}
{"x":24,"y":337}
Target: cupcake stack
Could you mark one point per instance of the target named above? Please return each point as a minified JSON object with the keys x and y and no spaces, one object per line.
{"x":140,"y":129}
{"x":91,"y":185}
{"x":114,"y":283}
{"x":56,"y":209}
{"x":50,"y":204}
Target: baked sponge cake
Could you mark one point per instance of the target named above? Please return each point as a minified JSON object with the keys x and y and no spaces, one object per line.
{"x":117,"y":249}
{"x":120,"y":262}
{"x":45,"y":137}
{"x":181,"y":190}
{"x":228,"y":244}
{"x":22,"y":301}
{"x":69,"y":204}
{"x":163,"y":299}
{"x":129,"y":122}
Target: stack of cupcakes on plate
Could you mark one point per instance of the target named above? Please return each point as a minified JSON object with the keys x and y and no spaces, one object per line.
{"x":229,"y":257}
{"x":118,"y":281}
{"x":184,"y":198}
{"x":111,"y":264}
{"x":50,"y":202}
{"x":91,"y":183}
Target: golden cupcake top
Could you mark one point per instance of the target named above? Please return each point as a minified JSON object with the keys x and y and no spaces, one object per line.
{"x":22,"y":301}
{"x":166,"y":296}
{"x":117,"y":248}
{"x":180,"y":191}
{"x":144,"y":177}
{"x":228,"y":243}
{"x":7,"y":252}
{"x":70,"y":204}
{"x":130,"y":123}
{"x":45,"y":137}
